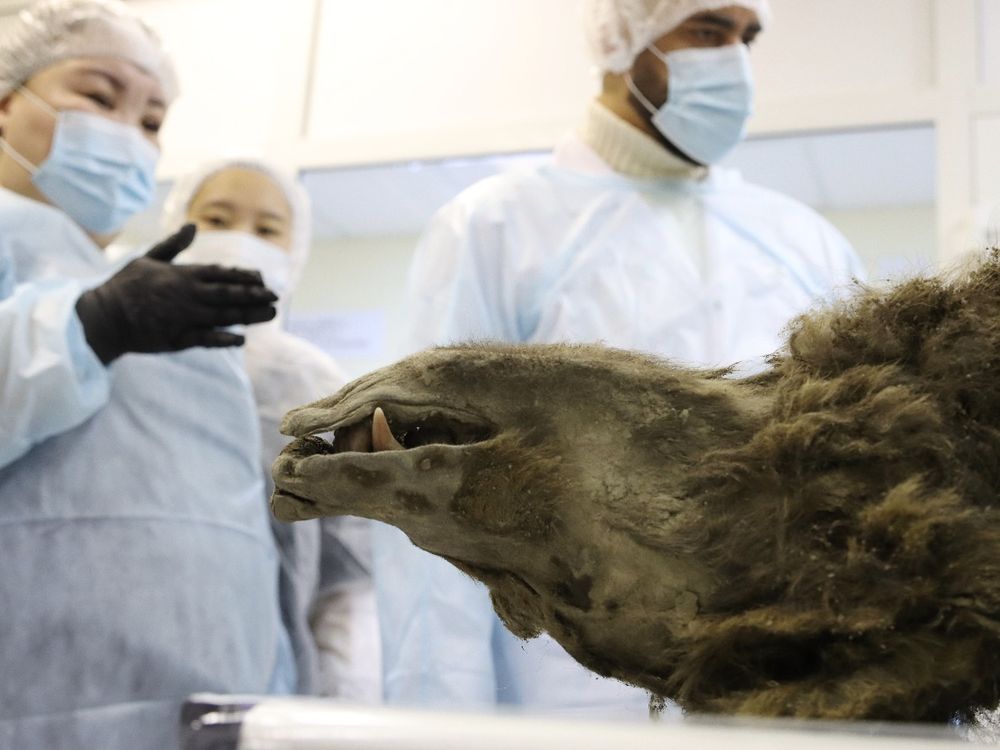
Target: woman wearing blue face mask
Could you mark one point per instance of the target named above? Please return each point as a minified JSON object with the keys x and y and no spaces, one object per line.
{"x":138,"y":566}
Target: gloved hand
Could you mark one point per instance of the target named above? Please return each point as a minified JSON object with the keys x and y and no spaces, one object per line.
{"x":153,"y":306}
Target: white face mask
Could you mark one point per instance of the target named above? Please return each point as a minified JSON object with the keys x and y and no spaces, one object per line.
{"x":242,"y":250}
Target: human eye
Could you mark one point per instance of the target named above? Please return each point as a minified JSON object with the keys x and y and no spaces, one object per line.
{"x":215,"y":220}
{"x":708,"y":36}
{"x":101,"y":100}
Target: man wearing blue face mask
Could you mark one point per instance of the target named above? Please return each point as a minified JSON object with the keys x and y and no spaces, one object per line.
{"x":138,"y":563}
{"x":628,"y":237}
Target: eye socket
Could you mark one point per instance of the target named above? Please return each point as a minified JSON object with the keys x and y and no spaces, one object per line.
{"x":152,"y":126}
{"x":267,"y":232}
{"x":217,"y":222}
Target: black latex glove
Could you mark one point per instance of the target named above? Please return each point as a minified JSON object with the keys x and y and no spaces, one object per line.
{"x":153,"y":306}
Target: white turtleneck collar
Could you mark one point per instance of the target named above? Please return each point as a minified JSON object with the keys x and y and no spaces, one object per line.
{"x":629,"y":151}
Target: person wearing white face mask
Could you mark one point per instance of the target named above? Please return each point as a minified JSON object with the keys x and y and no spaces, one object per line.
{"x":252,"y":215}
{"x":138,"y":564}
{"x":629,"y":237}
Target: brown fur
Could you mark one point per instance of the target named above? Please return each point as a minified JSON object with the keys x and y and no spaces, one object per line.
{"x":858,"y":530}
{"x":819,"y":541}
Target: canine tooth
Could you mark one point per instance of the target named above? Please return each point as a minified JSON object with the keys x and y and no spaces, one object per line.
{"x":382,"y":437}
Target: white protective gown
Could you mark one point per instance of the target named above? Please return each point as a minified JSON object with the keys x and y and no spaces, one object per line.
{"x":326,"y":593}
{"x":138,"y":566}
{"x":693,"y":265}
{"x":327,"y":600}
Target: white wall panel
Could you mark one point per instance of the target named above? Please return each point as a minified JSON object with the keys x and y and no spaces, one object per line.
{"x":397,"y":79}
{"x":398,"y":69}
{"x":817,"y":47}
{"x":232,"y":62}
{"x":986,"y":143}
{"x":989,"y":41}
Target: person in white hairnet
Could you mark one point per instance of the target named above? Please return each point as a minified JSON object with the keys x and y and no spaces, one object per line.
{"x":138,"y":563}
{"x":632,"y":237}
{"x":254,"y":216}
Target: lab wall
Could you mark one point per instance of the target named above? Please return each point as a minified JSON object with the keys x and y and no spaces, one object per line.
{"x":893,"y":242}
{"x":358,"y":284}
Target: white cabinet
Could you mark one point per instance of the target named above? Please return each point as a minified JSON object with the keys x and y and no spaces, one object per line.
{"x":833,"y":47}
{"x":986,"y":143}
{"x":237,"y":61}
{"x":338,"y":82}
{"x":989,"y":41}
{"x":459,"y":76}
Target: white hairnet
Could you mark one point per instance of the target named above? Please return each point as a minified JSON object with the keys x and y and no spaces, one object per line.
{"x":49,"y":31}
{"x":618,"y":30}
{"x":186,"y":188}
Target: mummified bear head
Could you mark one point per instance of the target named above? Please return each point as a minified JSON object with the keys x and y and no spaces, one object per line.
{"x":820,"y":541}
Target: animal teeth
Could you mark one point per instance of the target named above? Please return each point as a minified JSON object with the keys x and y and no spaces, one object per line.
{"x":382,"y":437}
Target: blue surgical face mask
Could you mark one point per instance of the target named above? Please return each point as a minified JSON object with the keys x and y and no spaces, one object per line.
{"x":709,"y":100}
{"x":100,"y":172}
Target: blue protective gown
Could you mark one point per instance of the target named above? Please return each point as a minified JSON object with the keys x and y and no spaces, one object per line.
{"x":138,"y":566}
{"x":705,"y":272}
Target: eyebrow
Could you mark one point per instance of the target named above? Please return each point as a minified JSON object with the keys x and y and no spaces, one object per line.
{"x":713,"y":19}
{"x":726,"y":24}
{"x":118,"y":85}
{"x":218,"y":204}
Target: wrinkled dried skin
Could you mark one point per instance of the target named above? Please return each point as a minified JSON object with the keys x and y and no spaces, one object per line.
{"x":520,"y":488}
{"x":820,"y":541}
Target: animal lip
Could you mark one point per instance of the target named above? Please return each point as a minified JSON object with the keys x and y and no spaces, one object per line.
{"x":294,"y":496}
{"x":400,"y":427}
